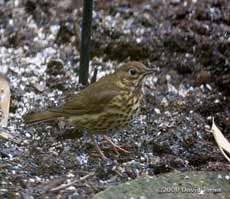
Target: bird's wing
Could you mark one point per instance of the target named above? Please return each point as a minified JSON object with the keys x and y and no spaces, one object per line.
{"x":94,"y":103}
{"x":93,"y":99}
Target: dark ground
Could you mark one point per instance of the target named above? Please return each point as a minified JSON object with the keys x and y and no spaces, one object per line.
{"x":39,"y":51}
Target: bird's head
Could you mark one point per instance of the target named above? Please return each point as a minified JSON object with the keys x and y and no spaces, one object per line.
{"x":132,"y":74}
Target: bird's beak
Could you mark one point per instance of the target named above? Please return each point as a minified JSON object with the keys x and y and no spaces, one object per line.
{"x":151,"y":70}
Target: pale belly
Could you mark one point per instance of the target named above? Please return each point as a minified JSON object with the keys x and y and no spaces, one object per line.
{"x":101,"y":123}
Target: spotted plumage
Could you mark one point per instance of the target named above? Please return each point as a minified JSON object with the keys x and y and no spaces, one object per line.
{"x":106,"y":105}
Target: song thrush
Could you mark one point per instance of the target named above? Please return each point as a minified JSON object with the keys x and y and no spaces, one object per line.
{"x":104,"y":106}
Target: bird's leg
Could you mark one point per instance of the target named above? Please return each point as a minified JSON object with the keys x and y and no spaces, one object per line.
{"x":115,"y":147}
{"x":98,"y":147}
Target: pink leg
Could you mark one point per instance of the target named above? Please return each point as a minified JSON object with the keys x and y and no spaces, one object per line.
{"x":98,"y":147}
{"x":115,"y":147}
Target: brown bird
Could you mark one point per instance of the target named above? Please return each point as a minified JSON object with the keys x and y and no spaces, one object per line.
{"x":104,"y":106}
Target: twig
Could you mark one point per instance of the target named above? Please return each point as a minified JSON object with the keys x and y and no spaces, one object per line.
{"x":63,"y":186}
{"x":7,"y":136}
{"x":118,"y":173}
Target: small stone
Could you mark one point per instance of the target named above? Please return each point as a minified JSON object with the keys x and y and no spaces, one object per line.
{"x":71,"y":188}
{"x":203,"y":77}
{"x":70,"y":175}
{"x":208,"y":86}
{"x":142,"y":159}
{"x":3,"y":190}
{"x":217,"y":101}
{"x":28,"y":135}
{"x":31,"y":180}
{"x":157,"y":111}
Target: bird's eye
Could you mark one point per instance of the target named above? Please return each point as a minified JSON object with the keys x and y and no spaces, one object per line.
{"x":132,"y":72}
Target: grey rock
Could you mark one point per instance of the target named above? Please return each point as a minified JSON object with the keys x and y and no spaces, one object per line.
{"x":194,"y":185}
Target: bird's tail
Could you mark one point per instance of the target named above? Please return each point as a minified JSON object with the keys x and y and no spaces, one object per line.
{"x":41,"y":117}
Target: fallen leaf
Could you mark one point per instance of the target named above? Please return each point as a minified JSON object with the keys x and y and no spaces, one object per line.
{"x":221,"y":141}
{"x":4,"y":101}
{"x":5,"y":135}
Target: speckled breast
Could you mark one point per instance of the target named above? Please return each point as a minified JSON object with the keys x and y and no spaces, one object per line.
{"x":120,"y":112}
{"x":116,"y":115}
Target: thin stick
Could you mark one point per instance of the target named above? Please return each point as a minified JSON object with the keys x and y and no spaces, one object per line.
{"x":63,"y":186}
{"x":7,"y":136}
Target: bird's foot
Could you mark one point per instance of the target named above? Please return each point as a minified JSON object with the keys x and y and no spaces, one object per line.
{"x":116,"y":148}
{"x":102,"y":155}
